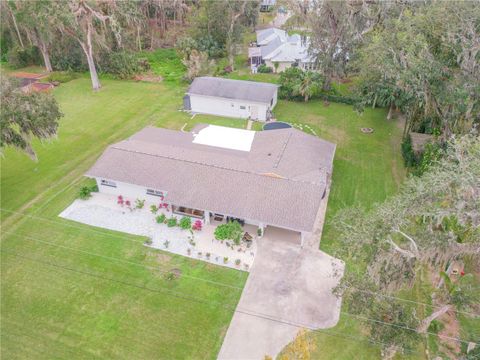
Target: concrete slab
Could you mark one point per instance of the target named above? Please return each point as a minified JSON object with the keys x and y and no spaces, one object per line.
{"x":289,"y":288}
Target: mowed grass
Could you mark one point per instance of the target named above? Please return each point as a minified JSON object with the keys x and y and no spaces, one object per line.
{"x":70,"y":290}
{"x":367,"y":167}
{"x":73,"y":291}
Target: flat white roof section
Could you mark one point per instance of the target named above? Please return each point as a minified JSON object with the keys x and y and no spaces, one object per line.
{"x":225,"y":137}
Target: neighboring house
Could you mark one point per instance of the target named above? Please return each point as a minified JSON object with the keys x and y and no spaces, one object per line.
{"x":231,"y":98}
{"x":276,"y":49}
{"x":274,"y":178}
{"x":267,"y":5}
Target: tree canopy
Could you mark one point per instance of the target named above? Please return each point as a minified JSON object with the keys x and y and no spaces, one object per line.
{"x":432,"y":223}
{"x":26,"y":116}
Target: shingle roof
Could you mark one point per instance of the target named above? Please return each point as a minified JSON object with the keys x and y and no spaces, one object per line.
{"x":233,"y":89}
{"x":266,"y":35}
{"x":279,"y":182}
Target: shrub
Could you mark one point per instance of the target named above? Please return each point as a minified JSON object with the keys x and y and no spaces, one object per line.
{"x":148,"y":242}
{"x":18,"y":57}
{"x":121,"y":64}
{"x":170,"y":276}
{"x":139,"y":204}
{"x":86,"y":191}
{"x":172,"y":222}
{"x":153,"y":209}
{"x":66,"y":55}
{"x":264,"y":69}
{"x":231,"y":230}
{"x":408,"y":154}
{"x":185,"y":223}
{"x":288,"y":81}
{"x":61,"y":76}
{"x":197,"y":225}
{"x":160,"y":218}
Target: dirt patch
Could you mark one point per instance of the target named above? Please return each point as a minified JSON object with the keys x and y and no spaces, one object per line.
{"x":26,"y":75}
{"x":336,"y":135}
{"x":148,"y":78}
{"x":451,"y":329}
{"x":313,"y":119}
{"x":161,"y":258}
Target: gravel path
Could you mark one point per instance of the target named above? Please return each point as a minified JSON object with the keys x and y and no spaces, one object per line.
{"x":102,"y":211}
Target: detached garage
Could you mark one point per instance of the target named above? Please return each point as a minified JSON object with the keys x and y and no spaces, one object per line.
{"x":231,"y":98}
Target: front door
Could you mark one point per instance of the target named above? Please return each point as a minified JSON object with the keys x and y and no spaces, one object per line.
{"x":254,"y":112}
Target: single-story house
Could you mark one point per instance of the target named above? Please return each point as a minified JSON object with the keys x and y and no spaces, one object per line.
{"x":274,"y":178}
{"x":231,"y":98}
{"x":276,"y":49}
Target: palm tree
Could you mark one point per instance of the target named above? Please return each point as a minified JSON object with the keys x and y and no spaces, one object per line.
{"x":308,"y":85}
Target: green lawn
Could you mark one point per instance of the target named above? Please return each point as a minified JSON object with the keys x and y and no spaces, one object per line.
{"x":61,"y":296}
{"x":70,"y":290}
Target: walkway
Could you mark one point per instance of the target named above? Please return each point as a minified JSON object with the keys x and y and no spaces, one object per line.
{"x":289,"y":288}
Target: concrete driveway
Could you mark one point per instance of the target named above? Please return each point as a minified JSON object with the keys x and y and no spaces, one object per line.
{"x":288,"y":288}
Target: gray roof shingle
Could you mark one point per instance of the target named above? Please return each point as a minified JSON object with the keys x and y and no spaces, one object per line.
{"x":233,"y":89}
{"x":279,"y":182}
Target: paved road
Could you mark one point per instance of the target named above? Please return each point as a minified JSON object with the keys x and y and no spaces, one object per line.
{"x":286,"y":283}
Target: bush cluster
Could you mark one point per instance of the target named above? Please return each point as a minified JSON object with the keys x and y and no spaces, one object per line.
{"x":229,"y":231}
{"x":18,"y":57}
{"x":121,"y":64}
{"x":86,"y":191}
{"x":61,"y":76}
{"x":264,"y":69}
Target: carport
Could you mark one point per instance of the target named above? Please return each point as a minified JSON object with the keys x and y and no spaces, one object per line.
{"x":283,"y":235}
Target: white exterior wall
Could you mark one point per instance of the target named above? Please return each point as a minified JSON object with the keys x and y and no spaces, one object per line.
{"x":128,"y":191}
{"x":282,"y":65}
{"x":227,"y":107}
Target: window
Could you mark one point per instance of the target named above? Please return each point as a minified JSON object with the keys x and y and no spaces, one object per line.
{"x":242,"y":107}
{"x":108,"y":183}
{"x":155,"y":193}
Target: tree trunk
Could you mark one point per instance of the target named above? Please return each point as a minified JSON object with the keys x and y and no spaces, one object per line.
{"x":229,"y":43}
{"x":390,"y":111}
{"x":88,"y":50}
{"x":306,"y":98}
{"x":16,"y":28}
{"x":46,"y":57}
{"x":427,"y":321}
{"x":327,"y":83}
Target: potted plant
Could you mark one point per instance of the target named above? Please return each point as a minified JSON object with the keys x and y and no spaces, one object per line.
{"x":153,"y":209}
{"x":225,"y":259}
{"x":238,"y":262}
{"x":260,"y":232}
